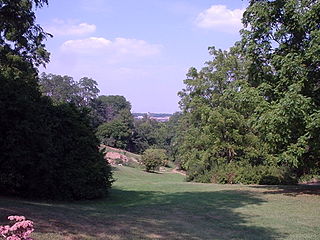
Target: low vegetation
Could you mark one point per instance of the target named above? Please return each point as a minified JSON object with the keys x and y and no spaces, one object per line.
{"x":153,"y":159}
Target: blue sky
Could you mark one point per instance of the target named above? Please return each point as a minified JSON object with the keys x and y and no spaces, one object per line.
{"x":140,"y":49}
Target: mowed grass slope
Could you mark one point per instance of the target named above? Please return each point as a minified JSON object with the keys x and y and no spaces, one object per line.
{"x":163,"y":206}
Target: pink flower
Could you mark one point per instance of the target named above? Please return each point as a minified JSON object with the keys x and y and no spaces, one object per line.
{"x":17,"y":218}
{"x":20,"y":230}
{"x":13,"y":238}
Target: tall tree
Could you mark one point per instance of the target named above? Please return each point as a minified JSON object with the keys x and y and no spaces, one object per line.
{"x":257,"y":106}
{"x":117,"y":132}
{"x":19,"y":33}
{"x":46,"y":150}
{"x":88,"y":90}
{"x":63,"y":89}
{"x":217,"y":106}
{"x":106,"y":108}
{"x":281,"y":42}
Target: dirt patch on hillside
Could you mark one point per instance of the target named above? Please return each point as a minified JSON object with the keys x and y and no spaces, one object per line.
{"x":117,"y":156}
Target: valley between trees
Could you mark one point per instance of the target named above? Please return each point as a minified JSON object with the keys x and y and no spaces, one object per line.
{"x":249,"y":117}
{"x":163,"y":206}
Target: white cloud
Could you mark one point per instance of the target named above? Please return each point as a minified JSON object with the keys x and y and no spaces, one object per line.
{"x":86,"y":45}
{"x":219,"y":17}
{"x":63,"y":28}
{"x":119,"y":47}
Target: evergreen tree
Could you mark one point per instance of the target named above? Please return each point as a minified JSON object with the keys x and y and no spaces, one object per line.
{"x":46,"y":150}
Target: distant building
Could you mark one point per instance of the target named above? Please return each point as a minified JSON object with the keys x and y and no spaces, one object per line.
{"x":159,"y":117}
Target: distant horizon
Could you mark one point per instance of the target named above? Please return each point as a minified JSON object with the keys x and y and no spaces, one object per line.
{"x":164,"y":113}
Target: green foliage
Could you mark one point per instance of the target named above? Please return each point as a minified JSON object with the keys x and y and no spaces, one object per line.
{"x":218,"y":105}
{"x":63,"y":89}
{"x":118,"y":132}
{"x":245,"y":173}
{"x":73,"y":166}
{"x":19,"y":33}
{"x":279,"y":42}
{"x":46,"y":150}
{"x":145,"y":134}
{"x":88,"y":91}
{"x":152,"y":159}
{"x":148,"y":133}
{"x":254,"y":110}
{"x":107,"y":108}
{"x":309,"y":178}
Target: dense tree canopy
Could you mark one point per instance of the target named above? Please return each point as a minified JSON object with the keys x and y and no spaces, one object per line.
{"x":117,"y":132}
{"x":46,"y":150}
{"x":256,"y":107}
{"x":106,"y":108}
{"x":281,"y":42}
{"x":19,"y":33}
{"x":63,"y":89}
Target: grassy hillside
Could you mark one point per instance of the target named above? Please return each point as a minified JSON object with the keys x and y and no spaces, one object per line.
{"x":162,"y":206}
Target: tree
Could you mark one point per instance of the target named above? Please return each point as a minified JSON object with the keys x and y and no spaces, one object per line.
{"x":76,"y":170}
{"x":88,"y":90}
{"x":63,"y":89}
{"x":106,"y":108}
{"x":153,"y":159}
{"x":118,"y":132}
{"x":46,"y":150}
{"x":217,"y":107}
{"x":19,"y":34}
{"x":281,"y":43}
{"x":145,"y":134}
{"x":256,"y":107}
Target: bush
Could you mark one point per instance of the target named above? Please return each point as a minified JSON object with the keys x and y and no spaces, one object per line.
{"x":74,"y":168}
{"x":245,"y":173}
{"x":154,"y":158}
{"x":309,"y":178}
{"x":53,"y":154}
{"x":20,"y":229}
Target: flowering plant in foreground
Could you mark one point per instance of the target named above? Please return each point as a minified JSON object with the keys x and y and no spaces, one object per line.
{"x":20,"y":230}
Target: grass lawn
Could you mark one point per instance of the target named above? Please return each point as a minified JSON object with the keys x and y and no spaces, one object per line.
{"x":162,"y":206}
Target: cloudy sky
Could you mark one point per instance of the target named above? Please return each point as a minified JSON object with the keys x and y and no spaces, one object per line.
{"x":140,"y":49}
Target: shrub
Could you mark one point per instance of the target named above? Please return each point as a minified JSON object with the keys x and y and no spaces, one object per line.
{"x":154,"y":158}
{"x":55,"y":156}
{"x":245,"y":173}
{"x":20,"y":229}
{"x":309,"y":178}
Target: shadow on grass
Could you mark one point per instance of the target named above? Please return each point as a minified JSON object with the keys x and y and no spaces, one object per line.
{"x":291,"y":190}
{"x":146,"y":215}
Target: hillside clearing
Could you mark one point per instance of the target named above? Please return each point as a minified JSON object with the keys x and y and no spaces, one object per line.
{"x":162,"y":206}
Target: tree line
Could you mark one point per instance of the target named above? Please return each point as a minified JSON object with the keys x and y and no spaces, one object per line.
{"x":110,"y":116}
{"x":252,"y":113}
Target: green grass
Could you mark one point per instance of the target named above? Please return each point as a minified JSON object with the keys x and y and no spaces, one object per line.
{"x":163,"y":206}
